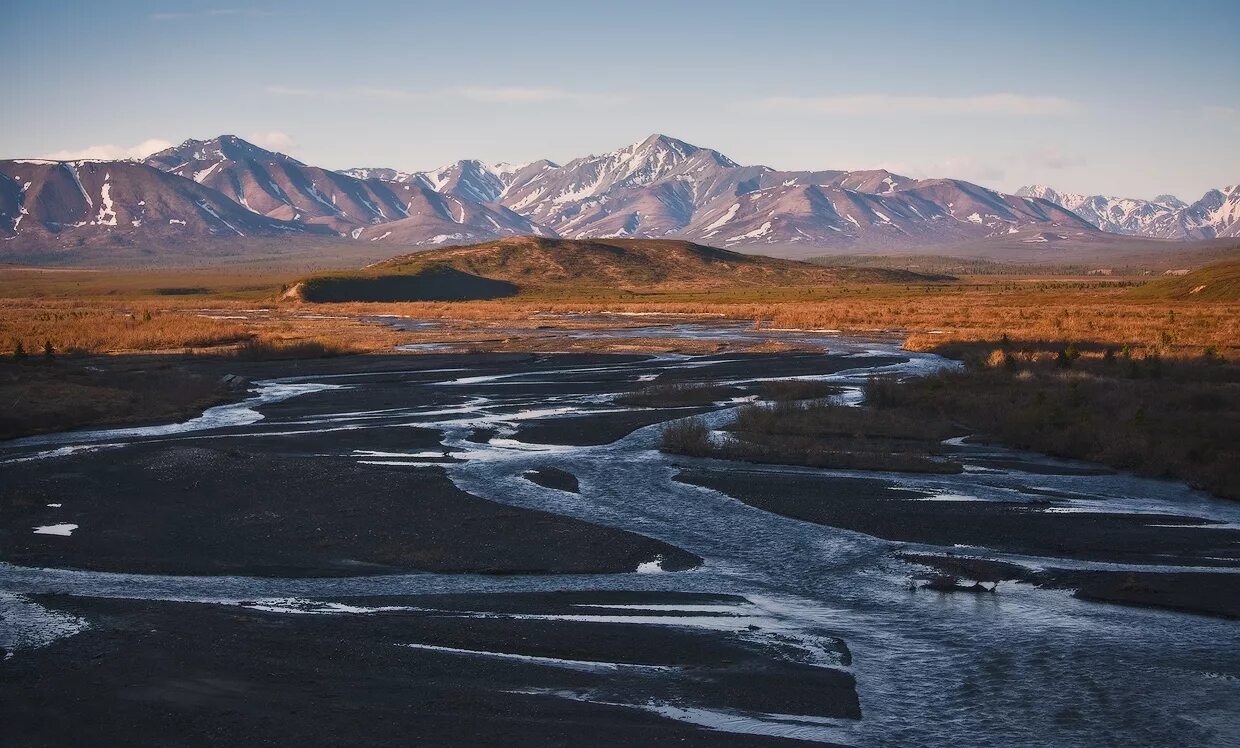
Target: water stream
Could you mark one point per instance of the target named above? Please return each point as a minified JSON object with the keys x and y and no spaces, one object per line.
{"x":1026,"y":667}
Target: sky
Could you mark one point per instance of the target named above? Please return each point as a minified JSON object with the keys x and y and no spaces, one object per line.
{"x":1132,"y":98}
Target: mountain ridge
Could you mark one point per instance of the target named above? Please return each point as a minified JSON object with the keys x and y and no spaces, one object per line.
{"x":659,"y":187}
{"x":1215,"y":215}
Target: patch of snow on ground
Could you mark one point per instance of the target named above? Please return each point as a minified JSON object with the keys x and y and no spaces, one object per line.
{"x":760,"y":231}
{"x":107,"y":214}
{"x":203,"y":204}
{"x":725,"y":217}
{"x":66,"y":529}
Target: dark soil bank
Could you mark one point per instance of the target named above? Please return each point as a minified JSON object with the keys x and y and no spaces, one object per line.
{"x":550,"y":477}
{"x":1209,"y":593}
{"x":160,"y":673}
{"x":156,"y":508}
{"x":876,"y":507}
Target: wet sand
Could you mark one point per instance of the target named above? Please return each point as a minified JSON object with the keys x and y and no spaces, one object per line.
{"x":161,"y":509}
{"x":880,"y":508}
{"x":160,"y":673}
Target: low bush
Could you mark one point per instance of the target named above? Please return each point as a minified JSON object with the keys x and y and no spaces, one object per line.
{"x":689,"y":436}
{"x":784,"y":390}
{"x":677,"y":395}
{"x":271,"y":350}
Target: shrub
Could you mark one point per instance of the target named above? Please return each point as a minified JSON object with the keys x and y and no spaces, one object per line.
{"x":677,"y":395}
{"x":882,"y":391}
{"x":267,"y":350}
{"x":689,"y":436}
{"x":797,"y":389}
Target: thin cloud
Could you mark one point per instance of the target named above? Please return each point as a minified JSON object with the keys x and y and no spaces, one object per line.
{"x":999,"y":104}
{"x":357,"y":92}
{"x":393,"y":94}
{"x":212,"y":13}
{"x":273,"y":140}
{"x":1218,"y":111}
{"x":534,"y":95}
{"x":480,"y":94}
{"x":1051,"y":157}
{"x":512,"y":94}
{"x":294,"y":91}
{"x":109,"y":152}
{"x":953,"y":167}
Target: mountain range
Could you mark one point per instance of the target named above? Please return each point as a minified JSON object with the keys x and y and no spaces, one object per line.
{"x":226,"y":188}
{"x":1215,"y":215}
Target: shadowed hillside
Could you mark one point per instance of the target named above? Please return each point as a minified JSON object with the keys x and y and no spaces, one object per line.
{"x":435,"y":283}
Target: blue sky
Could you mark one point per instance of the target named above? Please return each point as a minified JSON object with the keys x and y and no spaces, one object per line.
{"x":1126,"y":98}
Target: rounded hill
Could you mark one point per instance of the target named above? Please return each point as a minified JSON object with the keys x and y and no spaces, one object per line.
{"x":509,"y":266}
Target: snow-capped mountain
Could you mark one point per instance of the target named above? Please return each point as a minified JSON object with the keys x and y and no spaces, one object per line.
{"x":278,"y":186}
{"x":74,"y":203}
{"x":663,"y":187}
{"x":656,"y":188}
{"x":434,"y":218}
{"x":387,"y":175}
{"x":666,"y":187}
{"x":1216,"y":214}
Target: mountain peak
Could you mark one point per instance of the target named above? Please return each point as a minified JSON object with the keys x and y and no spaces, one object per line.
{"x":220,"y":148}
{"x":1169,"y":199}
{"x":658,"y":143}
{"x":659,"y":140}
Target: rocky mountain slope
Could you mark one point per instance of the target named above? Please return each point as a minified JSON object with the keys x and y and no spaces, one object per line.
{"x":73,"y":203}
{"x":278,"y":186}
{"x":1215,"y":215}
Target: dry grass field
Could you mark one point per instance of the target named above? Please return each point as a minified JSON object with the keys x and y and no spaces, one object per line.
{"x":115,"y":311}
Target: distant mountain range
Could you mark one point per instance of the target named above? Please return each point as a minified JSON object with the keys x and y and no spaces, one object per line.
{"x":660,"y":187}
{"x":1215,"y":215}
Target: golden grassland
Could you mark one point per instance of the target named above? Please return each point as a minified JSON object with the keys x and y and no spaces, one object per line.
{"x":112,"y":311}
{"x":928,"y":317}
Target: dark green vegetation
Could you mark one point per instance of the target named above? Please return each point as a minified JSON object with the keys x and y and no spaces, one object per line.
{"x":427,"y":283}
{"x":560,"y":267}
